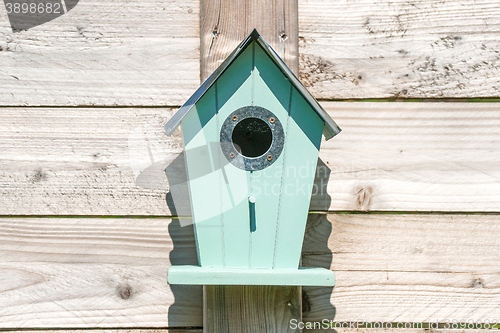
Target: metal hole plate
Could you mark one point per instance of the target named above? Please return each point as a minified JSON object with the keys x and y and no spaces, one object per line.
{"x":231,"y":152}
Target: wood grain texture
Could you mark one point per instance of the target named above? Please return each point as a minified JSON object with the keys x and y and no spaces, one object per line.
{"x":375,"y":330}
{"x":111,"y":272}
{"x":389,"y":157}
{"x":412,"y":157}
{"x":420,"y":256}
{"x":125,"y":53}
{"x":174,"y":330}
{"x":249,"y":309}
{"x":387,"y":49}
{"x":225,"y":23}
{"x":95,"y":273}
{"x":412,"y":243}
{"x":405,"y":296}
{"x":370,"y":330}
{"x":73,"y":161}
{"x":117,"y":52}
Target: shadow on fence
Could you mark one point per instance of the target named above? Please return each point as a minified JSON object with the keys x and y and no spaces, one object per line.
{"x":316,"y":304}
{"x":186,"y":298}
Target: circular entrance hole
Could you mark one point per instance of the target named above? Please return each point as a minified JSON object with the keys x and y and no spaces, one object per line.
{"x":252,"y":137}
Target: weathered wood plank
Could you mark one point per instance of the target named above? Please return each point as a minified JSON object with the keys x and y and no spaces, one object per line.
{"x":224,"y":24}
{"x":392,"y":330}
{"x":339,"y":330}
{"x":129,"y":53}
{"x":249,"y":309}
{"x":119,"y":52}
{"x":421,"y":48}
{"x":412,"y":157}
{"x":76,"y":161}
{"x":95,"y":273}
{"x":412,"y":243}
{"x":390,"y":156}
{"x":111,"y":272}
{"x":123,"y":330}
{"x":453,"y":255}
{"x":405,"y":296}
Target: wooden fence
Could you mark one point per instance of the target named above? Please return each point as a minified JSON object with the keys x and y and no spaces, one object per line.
{"x":407,"y":209}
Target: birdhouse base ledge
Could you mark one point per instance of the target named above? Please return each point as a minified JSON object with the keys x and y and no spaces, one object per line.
{"x":303,"y":276}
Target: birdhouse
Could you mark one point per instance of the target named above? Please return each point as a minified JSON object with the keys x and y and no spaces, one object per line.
{"x":252,"y":134}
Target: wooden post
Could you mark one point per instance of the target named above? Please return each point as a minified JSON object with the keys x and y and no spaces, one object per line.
{"x":224,"y":24}
{"x":249,"y":309}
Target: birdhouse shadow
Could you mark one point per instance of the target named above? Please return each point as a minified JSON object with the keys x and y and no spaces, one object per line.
{"x":316,"y":302}
{"x":186,"y":297}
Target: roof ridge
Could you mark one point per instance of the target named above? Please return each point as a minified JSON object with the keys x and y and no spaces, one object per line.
{"x":330,"y":129}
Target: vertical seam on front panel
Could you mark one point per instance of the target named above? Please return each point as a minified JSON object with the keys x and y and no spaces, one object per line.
{"x":283,"y":171}
{"x":221,"y":196}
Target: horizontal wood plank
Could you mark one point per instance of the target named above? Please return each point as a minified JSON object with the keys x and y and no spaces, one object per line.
{"x":412,"y":157}
{"x":151,"y":330}
{"x":95,"y":273}
{"x":111,"y":272}
{"x":116,"y":52}
{"x":75,"y":161}
{"x":339,"y":330}
{"x":392,"y":330}
{"x":148,"y":53}
{"x":387,"y":49}
{"x":405,"y":297}
{"x":389,"y":157}
{"x":399,"y":267}
{"x":412,"y":243}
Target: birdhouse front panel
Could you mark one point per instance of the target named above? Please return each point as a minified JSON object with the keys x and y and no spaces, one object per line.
{"x":301,"y":156}
{"x":251,"y":150}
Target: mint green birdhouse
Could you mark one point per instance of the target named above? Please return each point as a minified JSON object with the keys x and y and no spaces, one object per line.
{"x":252,"y":134}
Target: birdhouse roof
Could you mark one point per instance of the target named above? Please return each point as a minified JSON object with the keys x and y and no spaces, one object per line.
{"x":329,"y":130}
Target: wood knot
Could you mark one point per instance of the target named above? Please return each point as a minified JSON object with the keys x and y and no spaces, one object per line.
{"x":38,"y":176}
{"x":363,"y":196}
{"x":477,"y":283}
{"x":125,"y":292}
{"x":283,"y":36}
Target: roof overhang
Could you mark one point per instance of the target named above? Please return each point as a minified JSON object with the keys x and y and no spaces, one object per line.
{"x":330,"y":129}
